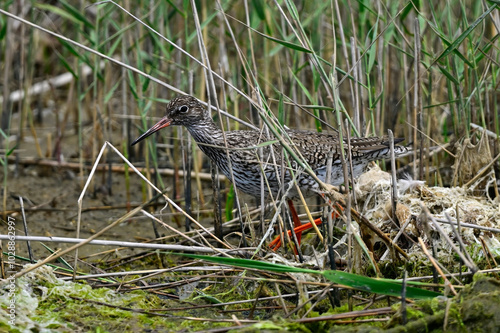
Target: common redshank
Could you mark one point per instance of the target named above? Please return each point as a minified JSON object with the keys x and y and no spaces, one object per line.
{"x":248,"y":162}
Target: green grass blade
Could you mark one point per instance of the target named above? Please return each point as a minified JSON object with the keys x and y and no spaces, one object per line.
{"x":111,"y":92}
{"x":230,"y":204}
{"x":302,"y":87}
{"x":58,"y":11}
{"x":464,"y":34}
{"x":289,"y":45}
{"x":282,"y":42}
{"x":448,"y":75}
{"x":60,"y":259}
{"x":377,"y":286}
{"x":358,"y":282}
{"x":281,"y":111}
{"x":254,"y":264}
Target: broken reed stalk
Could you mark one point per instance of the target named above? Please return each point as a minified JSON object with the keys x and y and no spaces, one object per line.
{"x":436,"y":266}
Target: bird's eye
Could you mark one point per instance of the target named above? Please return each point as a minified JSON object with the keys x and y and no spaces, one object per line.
{"x":183,"y":109}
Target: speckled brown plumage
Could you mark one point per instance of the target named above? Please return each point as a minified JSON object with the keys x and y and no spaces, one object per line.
{"x":246,"y":164}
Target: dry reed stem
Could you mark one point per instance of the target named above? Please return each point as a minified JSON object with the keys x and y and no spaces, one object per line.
{"x":436,"y":266}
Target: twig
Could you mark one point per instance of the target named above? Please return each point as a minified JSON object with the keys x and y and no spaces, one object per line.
{"x":482,"y":171}
{"x":403,"y":300}
{"x":468,"y":225}
{"x":436,"y":266}
{"x":400,"y":232}
{"x":46,"y":85}
{"x":174,"y":230}
{"x":25,"y":224}
{"x":93,"y":241}
{"x":105,"y":167}
{"x":352,"y":314}
{"x":466,"y":261}
{"x":91,"y":238}
{"x":459,"y":238}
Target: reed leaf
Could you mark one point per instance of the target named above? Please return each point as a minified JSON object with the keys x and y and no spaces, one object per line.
{"x":354,"y":281}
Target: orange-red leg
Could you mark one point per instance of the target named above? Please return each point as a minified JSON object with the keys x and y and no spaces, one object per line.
{"x":296,"y":220}
{"x":299,"y":227}
{"x":276,"y":243}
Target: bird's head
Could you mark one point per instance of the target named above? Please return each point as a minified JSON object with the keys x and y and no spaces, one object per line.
{"x":182,"y":110}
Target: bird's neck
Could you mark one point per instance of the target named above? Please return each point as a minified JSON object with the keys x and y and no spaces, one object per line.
{"x":209,"y":136}
{"x":206,"y":132}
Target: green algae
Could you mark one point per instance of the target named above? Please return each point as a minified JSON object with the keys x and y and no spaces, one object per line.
{"x":45,"y":303}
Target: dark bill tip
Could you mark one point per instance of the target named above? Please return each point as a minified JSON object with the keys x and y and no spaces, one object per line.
{"x":164,"y":122}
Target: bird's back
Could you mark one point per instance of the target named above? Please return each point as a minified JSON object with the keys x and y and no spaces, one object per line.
{"x":252,"y":152}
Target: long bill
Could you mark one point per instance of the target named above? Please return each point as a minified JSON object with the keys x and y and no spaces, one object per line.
{"x":164,"y":122}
